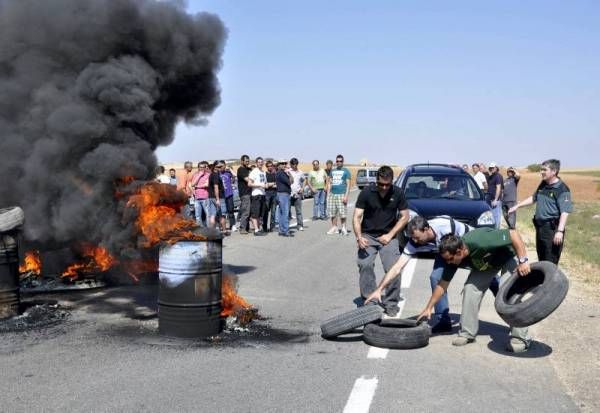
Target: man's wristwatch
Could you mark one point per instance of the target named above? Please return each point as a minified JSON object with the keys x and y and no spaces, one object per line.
{"x":523,"y":260}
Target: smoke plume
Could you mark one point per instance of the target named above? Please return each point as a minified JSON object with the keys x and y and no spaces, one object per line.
{"x":88,"y":90}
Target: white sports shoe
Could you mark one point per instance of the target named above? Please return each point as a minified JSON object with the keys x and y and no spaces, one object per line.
{"x":344,"y":231}
{"x":300,"y":228}
{"x":333,"y":231}
{"x":233,"y":228}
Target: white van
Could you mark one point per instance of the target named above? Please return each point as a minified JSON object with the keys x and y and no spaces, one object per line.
{"x":366,"y":176}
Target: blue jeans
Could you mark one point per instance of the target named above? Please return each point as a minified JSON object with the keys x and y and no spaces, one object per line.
{"x":319,"y":204}
{"x":497,"y":212}
{"x":283,"y":198}
{"x":199,"y":206}
{"x":441,"y":307}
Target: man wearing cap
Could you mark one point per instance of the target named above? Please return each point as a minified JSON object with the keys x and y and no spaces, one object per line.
{"x":553,"y":206}
{"x":509,"y":196}
{"x":494,"y":193}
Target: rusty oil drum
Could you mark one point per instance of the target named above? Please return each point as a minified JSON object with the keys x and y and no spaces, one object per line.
{"x":189,"y":297}
{"x":9,"y":276}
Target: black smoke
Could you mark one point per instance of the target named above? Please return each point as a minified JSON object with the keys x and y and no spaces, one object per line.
{"x":88,"y":90}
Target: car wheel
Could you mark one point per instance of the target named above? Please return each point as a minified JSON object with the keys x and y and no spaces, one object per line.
{"x":523,"y":301}
{"x":350,"y":320}
{"x":397,"y":335}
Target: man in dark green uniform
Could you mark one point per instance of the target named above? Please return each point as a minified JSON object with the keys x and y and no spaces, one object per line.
{"x":553,"y":206}
{"x":486,"y":252}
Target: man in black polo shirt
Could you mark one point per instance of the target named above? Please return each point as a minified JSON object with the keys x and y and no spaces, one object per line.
{"x":376,"y":225}
{"x":553,"y":206}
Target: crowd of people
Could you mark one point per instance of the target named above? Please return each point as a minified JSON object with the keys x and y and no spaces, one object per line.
{"x":268,"y":192}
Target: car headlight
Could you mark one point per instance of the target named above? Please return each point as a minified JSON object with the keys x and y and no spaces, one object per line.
{"x":487,"y":218}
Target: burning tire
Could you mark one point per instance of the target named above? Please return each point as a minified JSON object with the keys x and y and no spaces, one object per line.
{"x":397,"y":334}
{"x":523,"y":301}
{"x":350,"y":320}
{"x":11,"y":218}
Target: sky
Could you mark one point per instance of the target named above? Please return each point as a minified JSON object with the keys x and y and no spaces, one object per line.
{"x":400,"y":82}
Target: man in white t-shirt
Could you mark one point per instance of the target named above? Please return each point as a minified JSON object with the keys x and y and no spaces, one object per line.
{"x":161,"y":177}
{"x":424,"y":236}
{"x":257,"y":180}
{"x":297,"y":192}
{"x":479,"y":177}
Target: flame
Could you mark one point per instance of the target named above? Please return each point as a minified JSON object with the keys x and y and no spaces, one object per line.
{"x":231,"y":301}
{"x":32,"y":263}
{"x":158,"y":214}
{"x":98,"y":259}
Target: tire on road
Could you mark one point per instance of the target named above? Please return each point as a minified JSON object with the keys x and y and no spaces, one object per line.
{"x":397,"y":336}
{"x":523,"y":301}
{"x":350,"y":320}
{"x":11,"y":218}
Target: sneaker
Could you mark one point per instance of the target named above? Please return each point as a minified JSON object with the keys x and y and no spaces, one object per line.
{"x":315,"y":218}
{"x":333,"y":231}
{"x":345,"y":231}
{"x":258,"y":233}
{"x":443,"y":326}
{"x":300,"y":228}
{"x":462,"y":341}
{"x":233,"y":228}
{"x":518,"y":345}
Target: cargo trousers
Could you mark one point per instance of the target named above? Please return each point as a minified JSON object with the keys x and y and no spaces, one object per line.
{"x":367,"y":282}
{"x":475,"y":287}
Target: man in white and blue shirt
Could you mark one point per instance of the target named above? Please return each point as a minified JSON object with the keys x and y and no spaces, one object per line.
{"x":424,"y":236}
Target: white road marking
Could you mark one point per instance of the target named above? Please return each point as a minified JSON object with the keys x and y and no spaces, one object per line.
{"x":362,"y":395}
{"x":408,"y":272}
{"x":407,"y":276}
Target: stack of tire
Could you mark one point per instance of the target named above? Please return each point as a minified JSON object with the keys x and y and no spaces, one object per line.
{"x":11,"y":220}
{"x":378,"y":332}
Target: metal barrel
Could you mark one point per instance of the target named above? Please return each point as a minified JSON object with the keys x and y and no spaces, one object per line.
{"x":189,"y":297}
{"x":9,"y":276}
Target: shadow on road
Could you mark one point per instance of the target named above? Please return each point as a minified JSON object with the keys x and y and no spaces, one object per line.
{"x":237,"y":269}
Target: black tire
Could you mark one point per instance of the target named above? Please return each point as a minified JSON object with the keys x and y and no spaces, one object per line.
{"x":399,"y":336}
{"x":523,"y":301}
{"x":346,"y":322}
{"x":11,"y":218}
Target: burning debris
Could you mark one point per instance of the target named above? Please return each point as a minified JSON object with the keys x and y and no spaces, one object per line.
{"x":97,"y":259}
{"x":88,"y":90}
{"x":32,"y":265}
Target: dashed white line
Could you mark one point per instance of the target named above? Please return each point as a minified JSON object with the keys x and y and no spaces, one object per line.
{"x":362,"y":395}
{"x":407,"y":275}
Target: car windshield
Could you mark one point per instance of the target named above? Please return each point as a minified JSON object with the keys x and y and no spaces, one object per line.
{"x":441,"y":186}
{"x":361,"y":173}
{"x":373,"y":174}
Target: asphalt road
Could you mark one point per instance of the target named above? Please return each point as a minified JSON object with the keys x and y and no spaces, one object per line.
{"x":107,"y":355}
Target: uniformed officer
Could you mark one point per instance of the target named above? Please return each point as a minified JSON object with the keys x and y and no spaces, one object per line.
{"x":553,"y":206}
